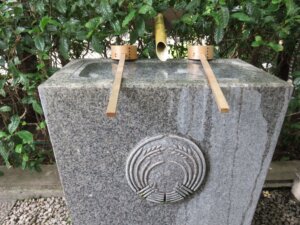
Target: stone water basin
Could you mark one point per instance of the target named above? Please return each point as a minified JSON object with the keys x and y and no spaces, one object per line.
{"x":169,"y":156}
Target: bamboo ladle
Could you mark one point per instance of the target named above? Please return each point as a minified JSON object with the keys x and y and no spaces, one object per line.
{"x":202,"y":53}
{"x":121,"y":53}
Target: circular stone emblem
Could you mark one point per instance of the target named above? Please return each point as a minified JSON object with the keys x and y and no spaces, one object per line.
{"x":165,"y":168}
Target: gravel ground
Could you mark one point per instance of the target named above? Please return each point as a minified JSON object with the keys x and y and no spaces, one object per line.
{"x":42,"y":211}
{"x":5,"y":207}
{"x":276,"y":207}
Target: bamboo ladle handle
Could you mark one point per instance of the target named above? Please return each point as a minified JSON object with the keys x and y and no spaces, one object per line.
{"x":113,"y":99}
{"x":121,"y":53}
{"x":214,"y":85}
{"x":202,"y":53}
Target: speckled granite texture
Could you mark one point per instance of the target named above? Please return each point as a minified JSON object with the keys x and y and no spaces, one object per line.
{"x":163,"y":98}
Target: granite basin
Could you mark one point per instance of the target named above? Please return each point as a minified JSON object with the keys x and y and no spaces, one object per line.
{"x":169,"y":157}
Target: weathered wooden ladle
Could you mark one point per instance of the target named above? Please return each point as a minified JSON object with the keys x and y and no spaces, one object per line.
{"x":204,"y":53}
{"x":121,"y":53}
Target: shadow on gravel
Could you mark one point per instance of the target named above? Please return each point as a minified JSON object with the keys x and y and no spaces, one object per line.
{"x":277,"y":207}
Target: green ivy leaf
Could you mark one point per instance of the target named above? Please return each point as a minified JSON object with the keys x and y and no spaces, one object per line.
{"x":128,"y":18}
{"x":2,"y":61}
{"x":219,"y":34}
{"x":37,"y":107}
{"x":2,"y":45}
{"x":140,"y":27}
{"x":64,"y":47}
{"x":296,"y":74}
{"x":19,"y":148}
{"x":18,"y":10}
{"x":2,"y":83}
{"x":224,"y":15}
{"x":3,"y":134}
{"x":276,"y":1}
{"x":43,"y":23}
{"x":40,"y":7}
{"x":255,"y":44}
{"x":25,"y":158}
{"x":106,"y":9}
{"x":81,"y":35}
{"x":41,"y":125}
{"x":189,"y":18}
{"x":26,"y":136}
{"x":297,"y":82}
{"x":20,"y":30}
{"x":242,"y":17}
{"x":17,"y":61}
{"x":2,"y":93}
{"x":5,"y":155}
{"x":291,"y":7}
{"x":14,"y":123}
{"x":93,"y":23}
{"x":148,"y":2}
{"x":258,"y":38}
{"x":133,"y":36}
{"x":97,"y":44}
{"x":48,"y":20}
{"x":61,"y":6}
{"x":5,"y":108}
{"x":39,"y":43}
{"x":258,"y":41}
{"x":276,"y":47}
{"x":269,"y":19}
{"x":193,"y":5}
{"x":116,"y":27}
{"x":146,"y":9}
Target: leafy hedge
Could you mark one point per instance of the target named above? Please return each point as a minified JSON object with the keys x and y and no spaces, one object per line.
{"x":38,"y":36}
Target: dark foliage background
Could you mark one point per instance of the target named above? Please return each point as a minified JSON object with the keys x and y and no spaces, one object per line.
{"x":39,"y":36}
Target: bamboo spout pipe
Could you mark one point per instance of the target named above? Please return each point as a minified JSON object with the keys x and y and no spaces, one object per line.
{"x":160,"y":38}
{"x":121,"y":53}
{"x":203,"y":53}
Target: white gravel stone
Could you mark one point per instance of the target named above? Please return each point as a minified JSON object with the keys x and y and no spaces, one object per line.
{"x":275,"y":207}
{"x":43,"y":211}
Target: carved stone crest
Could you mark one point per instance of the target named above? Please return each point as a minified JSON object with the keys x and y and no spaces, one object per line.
{"x":165,"y":168}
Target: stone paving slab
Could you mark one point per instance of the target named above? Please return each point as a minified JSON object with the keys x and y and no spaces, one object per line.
{"x":282,"y":174}
{"x":19,"y":184}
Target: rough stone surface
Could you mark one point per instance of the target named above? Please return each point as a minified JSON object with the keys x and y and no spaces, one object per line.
{"x":163,"y":98}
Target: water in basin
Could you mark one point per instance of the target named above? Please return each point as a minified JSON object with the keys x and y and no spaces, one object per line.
{"x":156,"y":70}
